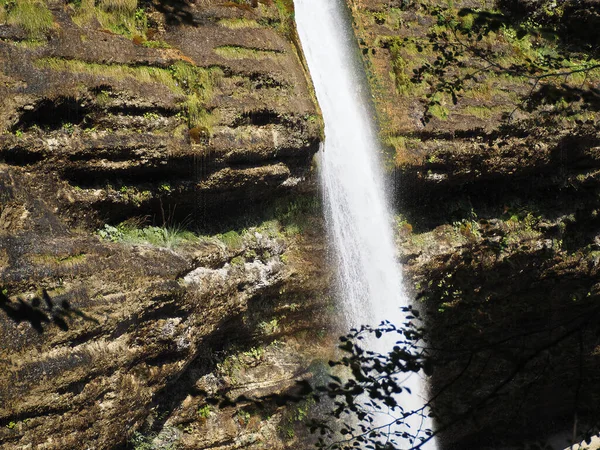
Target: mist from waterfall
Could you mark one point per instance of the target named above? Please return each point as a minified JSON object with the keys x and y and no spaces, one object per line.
{"x":357,"y":212}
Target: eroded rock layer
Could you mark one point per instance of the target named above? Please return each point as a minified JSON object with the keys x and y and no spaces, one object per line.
{"x":127,"y":129}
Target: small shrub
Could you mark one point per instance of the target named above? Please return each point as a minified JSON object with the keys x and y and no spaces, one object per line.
{"x":204,"y":412}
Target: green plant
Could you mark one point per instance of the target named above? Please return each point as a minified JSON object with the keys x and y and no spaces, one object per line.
{"x":119,"y":16}
{"x":470,"y":46}
{"x":196,"y":80}
{"x":156,"y":44}
{"x":254,"y":353}
{"x":399,"y":68}
{"x":168,"y":237}
{"x":199,"y":85}
{"x":151,"y":116}
{"x":68,"y":127}
{"x":204,"y":412}
{"x":198,"y":116}
{"x":270,"y":327}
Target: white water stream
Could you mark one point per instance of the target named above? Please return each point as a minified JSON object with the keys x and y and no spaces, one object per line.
{"x":359,"y":224}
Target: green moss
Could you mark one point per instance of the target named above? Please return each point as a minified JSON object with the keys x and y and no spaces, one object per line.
{"x":31,"y":15}
{"x":197,"y":80}
{"x":198,"y":116}
{"x":378,"y":17}
{"x":481,"y":112}
{"x":399,"y":75}
{"x":285,"y":8}
{"x":29,"y":43}
{"x":72,"y":258}
{"x":401,"y":150}
{"x":119,"y":16}
{"x":142,"y":74}
{"x":237,"y":52}
{"x":238,"y":261}
{"x":232,"y":239}
{"x":439,"y":111}
{"x":199,"y":84}
{"x":156,"y":44}
{"x":236,"y":23}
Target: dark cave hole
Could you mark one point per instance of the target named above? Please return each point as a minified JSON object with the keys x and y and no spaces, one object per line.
{"x":258,"y":118}
{"x":53,"y":114}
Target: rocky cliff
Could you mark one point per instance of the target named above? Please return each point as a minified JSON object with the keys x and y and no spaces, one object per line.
{"x":497,"y":203}
{"x":149,"y":250}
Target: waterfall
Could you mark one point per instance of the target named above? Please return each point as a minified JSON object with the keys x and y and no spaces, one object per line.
{"x":358,"y":221}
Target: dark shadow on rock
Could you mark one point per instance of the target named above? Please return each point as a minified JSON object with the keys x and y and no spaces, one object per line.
{"x":39,"y":317}
{"x":177,"y":12}
{"x":587,"y":98}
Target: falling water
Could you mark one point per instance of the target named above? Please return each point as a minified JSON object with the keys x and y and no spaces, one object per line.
{"x":359,"y":224}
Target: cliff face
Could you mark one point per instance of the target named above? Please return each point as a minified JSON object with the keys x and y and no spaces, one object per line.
{"x":497,"y":217}
{"x":127,"y":129}
{"x":213,"y":97}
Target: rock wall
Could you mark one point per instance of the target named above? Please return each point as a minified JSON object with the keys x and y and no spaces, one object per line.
{"x":127,"y":130}
{"x":497,"y":223}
